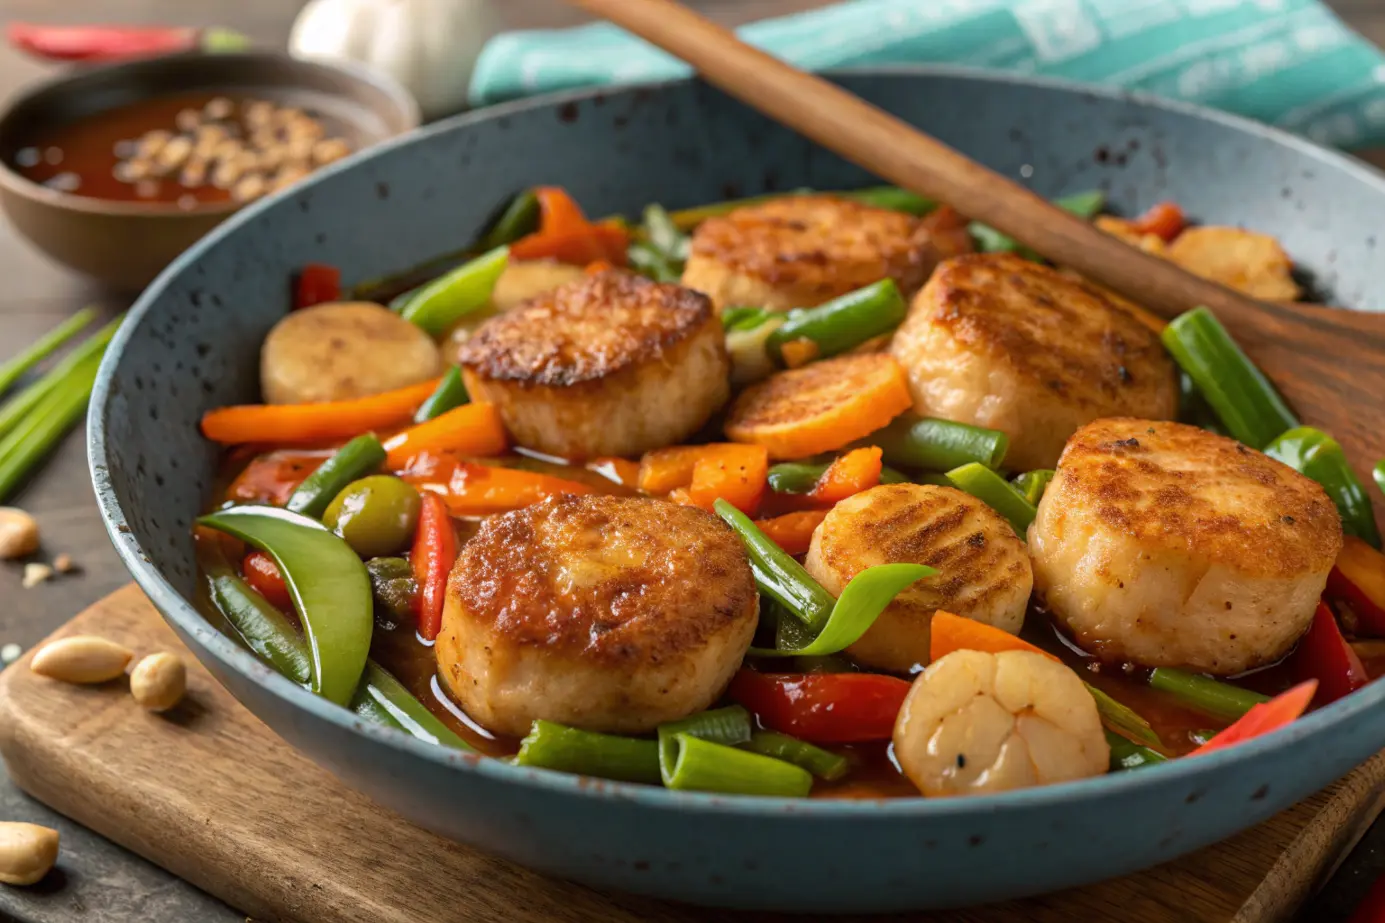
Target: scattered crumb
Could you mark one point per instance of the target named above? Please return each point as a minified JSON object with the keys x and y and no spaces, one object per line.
{"x":10,"y":653}
{"x":34,"y":574}
{"x":64,"y":564}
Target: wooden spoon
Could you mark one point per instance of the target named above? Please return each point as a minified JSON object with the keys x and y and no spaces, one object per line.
{"x":1329,"y":364}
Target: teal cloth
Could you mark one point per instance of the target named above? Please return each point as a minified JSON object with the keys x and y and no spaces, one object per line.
{"x":1291,"y":63}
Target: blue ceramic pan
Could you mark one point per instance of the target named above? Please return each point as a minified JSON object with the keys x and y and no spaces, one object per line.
{"x":192,"y":343}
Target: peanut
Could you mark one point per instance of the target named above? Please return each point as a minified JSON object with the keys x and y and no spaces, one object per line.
{"x":18,"y":533}
{"x":34,"y":574}
{"x":27,"y":852}
{"x":158,"y":681}
{"x":82,"y":659}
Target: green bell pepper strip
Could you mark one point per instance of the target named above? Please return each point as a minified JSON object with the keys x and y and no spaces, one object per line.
{"x":730,"y":725}
{"x":1220,"y":700}
{"x":386,"y":693}
{"x":938,"y":445}
{"x":1126,"y":754}
{"x":892,"y":198}
{"x":441,"y":303}
{"x":988,"y":240}
{"x":354,"y":460}
{"x":327,"y":583}
{"x":1240,"y":394}
{"x":1033,"y":484}
{"x":777,"y":574}
{"x":448,"y":395}
{"x":520,"y":218}
{"x":265,"y":629}
{"x":12,"y":369}
{"x":822,"y":763}
{"x":1314,"y":454}
{"x":996,"y":492}
{"x":702,"y":766}
{"x":555,"y":746}
{"x":802,"y":477}
{"x":842,"y":323}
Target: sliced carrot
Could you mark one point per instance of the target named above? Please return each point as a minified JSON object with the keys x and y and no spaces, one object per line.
{"x":1263,"y":718}
{"x":1164,"y":220}
{"x":301,"y":423}
{"x":662,"y":470}
{"x":471,"y":429}
{"x":820,"y":407}
{"x":849,"y":474}
{"x":581,"y":246}
{"x":470,"y":489}
{"x":799,"y":352}
{"x":597,"y":267}
{"x":558,"y":211}
{"x":738,"y":474}
{"x":950,"y":633}
{"x":620,"y":471}
{"x":793,"y":531}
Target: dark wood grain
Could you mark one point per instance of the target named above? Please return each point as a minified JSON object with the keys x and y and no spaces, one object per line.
{"x":94,"y":755}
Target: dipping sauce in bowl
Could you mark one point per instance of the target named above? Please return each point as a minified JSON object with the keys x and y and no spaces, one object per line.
{"x":186,"y":149}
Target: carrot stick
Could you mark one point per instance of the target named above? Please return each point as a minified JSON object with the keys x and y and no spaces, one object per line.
{"x":471,"y":429}
{"x":849,"y":474}
{"x":954,"y":633}
{"x":480,"y":490}
{"x":300,"y":423}
{"x":793,"y":531}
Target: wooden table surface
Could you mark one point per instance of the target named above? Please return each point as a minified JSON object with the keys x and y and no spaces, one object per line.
{"x":105,"y":884}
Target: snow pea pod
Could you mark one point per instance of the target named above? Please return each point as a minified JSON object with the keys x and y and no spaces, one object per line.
{"x":327,"y":582}
{"x":265,"y":629}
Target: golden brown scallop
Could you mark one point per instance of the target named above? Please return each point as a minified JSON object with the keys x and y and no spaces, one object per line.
{"x":612,"y":364}
{"x":1005,"y":343}
{"x":1249,"y":262}
{"x":983,"y":568}
{"x":1165,"y":545}
{"x":801,"y":250}
{"x":605,"y":613}
{"x":343,"y":350}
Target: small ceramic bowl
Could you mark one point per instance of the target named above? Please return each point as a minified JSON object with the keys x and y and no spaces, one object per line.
{"x":126,"y":244}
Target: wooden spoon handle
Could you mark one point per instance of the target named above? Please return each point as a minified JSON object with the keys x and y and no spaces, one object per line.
{"x":896,"y":151}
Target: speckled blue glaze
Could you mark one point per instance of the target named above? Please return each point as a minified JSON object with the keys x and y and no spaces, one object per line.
{"x":192,"y":343}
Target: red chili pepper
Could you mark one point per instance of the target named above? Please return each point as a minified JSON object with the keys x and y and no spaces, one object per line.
{"x":434,"y":552}
{"x":1372,"y":907}
{"x":829,"y":708}
{"x":264,"y":578}
{"x":317,"y":283}
{"x":1324,"y":655}
{"x":1283,"y":709}
{"x":99,"y":43}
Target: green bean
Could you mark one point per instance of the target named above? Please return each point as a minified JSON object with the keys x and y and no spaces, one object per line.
{"x":1126,"y":754}
{"x":802,"y":477}
{"x":938,"y":445}
{"x":438,"y":305}
{"x":843,"y":323}
{"x":702,"y":766}
{"x":43,"y":347}
{"x":776,"y":572}
{"x":989,"y":240}
{"x":996,"y":492}
{"x":555,"y":746}
{"x":354,"y":460}
{"x":406,"y":712}
{"x":1032,"y":484}
{"x":746,"y":318}
{"x":1220,"y":700}
{"x":1242,"y":397}
{"x":448,"y":395}
{"x":891,"y":197}
{"x":822,"y":763}
{"x":265,"y":629}
{"x":652,"y":262}
{"x":730,"y":725}
{"x":520,"y":218}
{"x":1315,"y":454}
{"x":1123,"y":718}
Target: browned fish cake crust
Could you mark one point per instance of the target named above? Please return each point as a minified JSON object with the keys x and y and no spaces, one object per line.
{"x":607,"y":613}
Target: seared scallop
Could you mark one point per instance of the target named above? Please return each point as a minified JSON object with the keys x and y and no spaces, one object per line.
{"x":983,"y":568}
{"x":343,"y":350}
{"x":1005,"y":343}
{"x":612,"y":364}
{"x":975,"y":723}
{"x":605,"y":613}
{"x":1164,"y":545}
{"x":801,"y":250}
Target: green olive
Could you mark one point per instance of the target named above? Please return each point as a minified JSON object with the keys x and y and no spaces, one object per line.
{"x":376,"y":515}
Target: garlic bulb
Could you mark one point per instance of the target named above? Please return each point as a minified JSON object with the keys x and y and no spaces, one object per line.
{"x":429,"y":46}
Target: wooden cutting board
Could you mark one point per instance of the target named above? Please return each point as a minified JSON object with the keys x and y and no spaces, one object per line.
{"x":211,"y":794}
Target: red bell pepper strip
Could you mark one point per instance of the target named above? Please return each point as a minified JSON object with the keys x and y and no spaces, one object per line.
{"x":317,"y":283}
{"x":822,"y":707}
{"x":1165,"y":220}
{"x":1324,"y":655}
{"x":264,"y":578}
{"x":581,"y":246}
{"x":1359,"y":581}
{"x":114,"y":43}
{"x":1279,"y":711}
{"x":434,"y":552}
